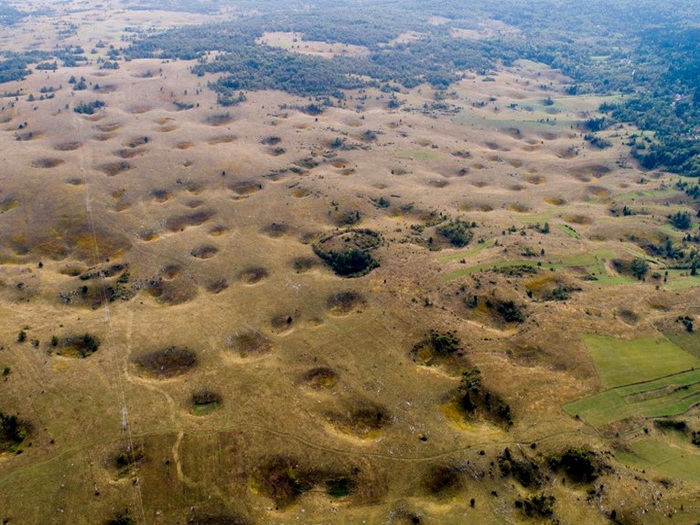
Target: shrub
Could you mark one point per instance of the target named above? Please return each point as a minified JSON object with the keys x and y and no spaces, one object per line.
{"x":473,"y":398}
{"x":457,"y":232}
{"x":524,"y":470}
{"x":351,"y":262}
{"x":579,"y":464}
{"x":12,"y":432}
{"x":80,"y":346}
{"x":681,"y":220}
{"x":671,"y":424}
{"x":688,"y":323}
{"x":510,"y":312}
{"x":436,"y":344}
{"x":347,"y":253}
{"x":88,"y":108}
{"x":539,"y":505}
{"x":639,"y":268}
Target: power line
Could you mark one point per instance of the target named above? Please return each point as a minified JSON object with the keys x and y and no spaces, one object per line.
{"x":137,"y":495}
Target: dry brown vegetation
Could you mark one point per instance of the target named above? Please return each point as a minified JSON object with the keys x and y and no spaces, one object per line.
{"x":167,"y":363}
{"x":201,"y":247}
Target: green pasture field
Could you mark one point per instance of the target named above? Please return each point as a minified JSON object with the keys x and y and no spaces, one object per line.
{"x":667,"y":458}
{"x":593,"y":262}
{"x":688,"y":341}
{"x":469,"y":253}
{"x":666,"y":396}
{"x":646,"y":377}
{"x":623,"y":362}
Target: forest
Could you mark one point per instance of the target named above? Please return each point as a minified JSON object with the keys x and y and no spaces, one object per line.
{"x":645,"y":51}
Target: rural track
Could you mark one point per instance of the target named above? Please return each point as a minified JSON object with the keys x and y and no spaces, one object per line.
{"x":294,"y":437}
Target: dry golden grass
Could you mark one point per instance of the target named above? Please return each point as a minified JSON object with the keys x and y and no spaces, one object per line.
{"x":217,"y":231}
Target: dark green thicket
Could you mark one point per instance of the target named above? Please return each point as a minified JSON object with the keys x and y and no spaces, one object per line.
{"x":12,"y":432}
{"x":440,"y":344}
{"x":474,"y":399}
{"x":9,"y":15}
{"x":647,"y":50}
{"x":348,"y":253}
{"x":457,"y":231}
{"x":579,"y":464}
